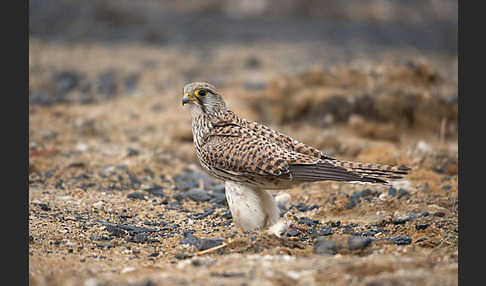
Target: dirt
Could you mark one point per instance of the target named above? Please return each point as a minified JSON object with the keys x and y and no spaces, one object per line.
{"x":117,"y":197}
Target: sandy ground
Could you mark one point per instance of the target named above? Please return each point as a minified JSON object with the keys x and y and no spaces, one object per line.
{"x":109,"y":143}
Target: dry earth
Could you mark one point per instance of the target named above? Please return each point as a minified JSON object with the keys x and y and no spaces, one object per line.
{"x":114,"y":186}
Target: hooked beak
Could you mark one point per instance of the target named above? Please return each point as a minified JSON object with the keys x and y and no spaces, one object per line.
{"x":187,"y":98}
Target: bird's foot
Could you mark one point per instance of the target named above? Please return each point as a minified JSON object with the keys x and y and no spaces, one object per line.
{"x":280,"y":228}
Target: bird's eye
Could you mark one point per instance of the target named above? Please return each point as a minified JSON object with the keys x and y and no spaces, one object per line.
{"x":201,"y":92}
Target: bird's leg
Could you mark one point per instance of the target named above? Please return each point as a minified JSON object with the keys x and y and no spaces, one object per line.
{"x":272,"y":212}
{"x":254,"y":209}
{"x":246,"y":206}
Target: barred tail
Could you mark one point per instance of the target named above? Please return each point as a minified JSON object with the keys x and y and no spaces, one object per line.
{"x":380,"y":173}
{"x":335,"y":170}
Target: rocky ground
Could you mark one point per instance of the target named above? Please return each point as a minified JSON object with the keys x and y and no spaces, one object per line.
{"x":116,"y":195}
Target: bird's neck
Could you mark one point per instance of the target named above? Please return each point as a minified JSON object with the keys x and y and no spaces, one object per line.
{"x":203,"y":122}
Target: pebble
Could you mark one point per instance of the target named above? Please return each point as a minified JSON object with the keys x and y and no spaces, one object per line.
{"x":181,"y":256}
{"x":139,"y":237}
{"x":325,"y":246}
{"x":303,"y":207}
{"x":132,"y":152}
{"x":293,"y":233}
{"x":218,"y":189}
{"x":127,"y":269}
{"x":156,"y":190}
{"x":98,"y":204}
{"x":217,"y":198}
{"x":307,"y":221}
{"x":421,"y":226}
{"x":106,"y":84}
{"x":136,"y":195}
{"x":200,"y":243}
{"x":63,"y":82}
{"x":227,"y":215}
{"x":189,"y":238}
{"x":410,"y":217}
{"x":207,"y":243}
{"x":198,"y":195}
{"x":336,"y":223}
{"x":131,"y":82}
{"x":326,"y":230}
{"x":402,"y":240}
{"x":356,"y":197}
{"x":355,"y":242}
{"x":203,"y":215}
{"x":402,"y":193}
{"x":81,"y":147}
{"x":191,"y":179}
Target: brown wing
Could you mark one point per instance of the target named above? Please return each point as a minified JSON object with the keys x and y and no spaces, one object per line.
{"x":232,"y":150}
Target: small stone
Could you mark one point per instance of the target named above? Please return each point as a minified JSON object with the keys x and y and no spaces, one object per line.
{"x":421,"y":226}
{"x":179,"y":197}
{"x":81,"y":147}
{"x":324,"y":246}
{"x":326,"y":230}
{"x":403,"y":192}
{"x":446,"y":187}
{"x":355,"y":242}
{"x":189,"y":238}
{"x":336,"y":223}
{"x":181,"y":256}
{"x":127,"y":269}
{"x":136,"y":195}
{"x":198,"y":195}
{"x":156,"y":190}
{"x":402,"y":240}
{"x":227,"y":215}
{"x":132,"y":152}
{"x":44,"y":207}
{"x":218,"y":189}
{"x":218,"y":198}
{"x":98,"y":204}
{"x":140,"y":237}
{"x":207,"y":243}
{"x":103,"y":245}
{"x":204,"y":214}
{"x":293,"y":233}
{"x":307,"y":221}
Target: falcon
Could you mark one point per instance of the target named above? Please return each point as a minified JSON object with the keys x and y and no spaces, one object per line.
{"x":252,"y":159}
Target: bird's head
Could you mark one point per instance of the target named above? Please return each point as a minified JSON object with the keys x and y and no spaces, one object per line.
{"x":204,"y":97}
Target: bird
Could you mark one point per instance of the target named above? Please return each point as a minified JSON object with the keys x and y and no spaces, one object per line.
{"x":252,"y":159}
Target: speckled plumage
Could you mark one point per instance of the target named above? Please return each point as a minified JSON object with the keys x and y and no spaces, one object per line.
{"x":248,"y":153}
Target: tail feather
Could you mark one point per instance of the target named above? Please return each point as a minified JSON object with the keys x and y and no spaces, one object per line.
{"x":335,"y":170}
{"x":382,"y":172}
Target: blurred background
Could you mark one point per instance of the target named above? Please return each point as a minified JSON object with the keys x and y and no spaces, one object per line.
{"x":393,"y":63}
{"x":377,"y":68}
{"x":427,"y":25}
{"x":362,"y":80}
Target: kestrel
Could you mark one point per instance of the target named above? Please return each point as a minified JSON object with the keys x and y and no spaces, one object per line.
{"x":251,"y":159}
